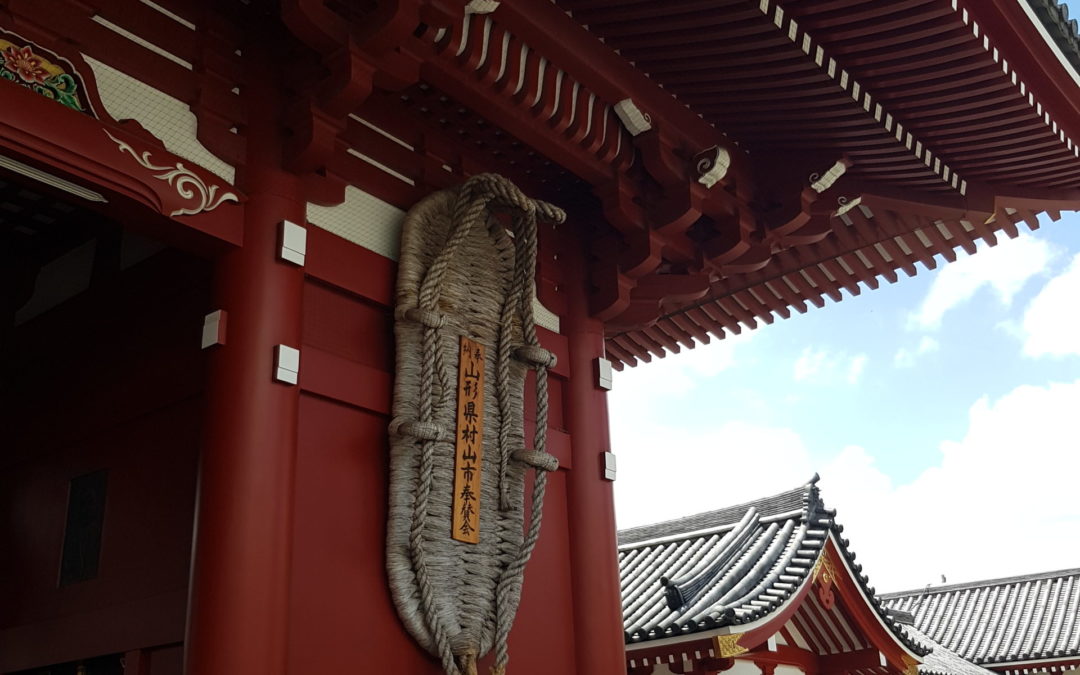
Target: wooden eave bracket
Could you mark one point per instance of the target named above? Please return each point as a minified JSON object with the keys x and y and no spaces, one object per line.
{"x":356,"y":59}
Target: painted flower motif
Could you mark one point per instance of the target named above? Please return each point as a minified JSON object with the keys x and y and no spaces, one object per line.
{"x":25,"y":63}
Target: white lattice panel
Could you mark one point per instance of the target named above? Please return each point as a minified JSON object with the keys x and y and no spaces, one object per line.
{"x":370,"y":222}
{"x":362,"y":219}
{"x":545,"y":318}
{"x":167,"y":118}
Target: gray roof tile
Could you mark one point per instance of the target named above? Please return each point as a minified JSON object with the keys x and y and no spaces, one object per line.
{"x":727,"y":567}
{"x":1000,"y":620}
{"x":1055,"y":17}
{"x":942,"y":661}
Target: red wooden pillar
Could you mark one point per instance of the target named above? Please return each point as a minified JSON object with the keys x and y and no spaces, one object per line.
{"x":594,"y":565}
{"x":237,"y":616}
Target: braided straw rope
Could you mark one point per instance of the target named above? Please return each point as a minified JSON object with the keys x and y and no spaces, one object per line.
{"x":463,"y":273}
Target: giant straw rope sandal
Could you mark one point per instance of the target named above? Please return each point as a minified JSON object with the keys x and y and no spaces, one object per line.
{"x":467,"y":265}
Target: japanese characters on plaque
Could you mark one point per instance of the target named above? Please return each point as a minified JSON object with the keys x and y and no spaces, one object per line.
{"x":469,"y":441}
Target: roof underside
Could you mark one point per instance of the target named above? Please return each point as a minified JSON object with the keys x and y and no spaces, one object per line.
{"x":919,"y":95}
{"x":1063,"y":30}
{"x":749,"y":73}
{"x":1024,"y":618}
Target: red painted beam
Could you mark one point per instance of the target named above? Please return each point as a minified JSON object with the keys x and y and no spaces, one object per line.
{"x":547,"y":28}
{"x":595,"y":570}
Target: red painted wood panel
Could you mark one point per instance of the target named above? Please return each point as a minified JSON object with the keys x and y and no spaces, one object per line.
{"x":341,"y":612}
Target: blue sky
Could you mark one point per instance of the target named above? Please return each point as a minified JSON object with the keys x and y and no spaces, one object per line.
{"x":940,"y":412}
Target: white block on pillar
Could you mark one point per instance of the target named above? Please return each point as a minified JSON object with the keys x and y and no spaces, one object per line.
{"x":293,"y":243}
{"x":603,"y":374}
{"x":213,"y":328}
{"x":286,"y":364}
{"x":609,"y":466}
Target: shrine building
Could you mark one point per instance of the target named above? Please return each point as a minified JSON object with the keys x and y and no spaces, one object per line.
{"x":773,"y":587}
{"x":770,"y":586}
{"x":201,"y":216}
{"x":1019,"y":625}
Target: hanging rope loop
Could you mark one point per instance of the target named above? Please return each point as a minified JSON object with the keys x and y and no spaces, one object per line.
{"x":429,"y":318}
{"x":535,"y":357}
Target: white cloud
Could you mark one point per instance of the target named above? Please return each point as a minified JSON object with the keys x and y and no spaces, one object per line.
{"x":826,"y":366}
{"x":1004,"y":268}
{"x":906,"y":358}
{"x":670,"y":471}
{"x":989,"y":507}
{"x":810,"y":363}
{"x":996,"y":497}
{"x":855,"y":369}
{"x":1051,"y":325}
{"x":676,"y":375}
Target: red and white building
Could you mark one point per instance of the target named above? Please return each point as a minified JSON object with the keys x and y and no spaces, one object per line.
{"x":199,"y":209}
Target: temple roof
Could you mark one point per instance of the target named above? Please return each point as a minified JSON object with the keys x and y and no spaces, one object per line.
{"x":732,"y":566}
{"x":1063,"y":30}
{"x":943,"y":661}
{"x":957,"y":123}
{"x":1001,"y":621}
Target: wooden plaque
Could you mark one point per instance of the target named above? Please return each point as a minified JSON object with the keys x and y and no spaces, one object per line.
{"x":469,"y":441}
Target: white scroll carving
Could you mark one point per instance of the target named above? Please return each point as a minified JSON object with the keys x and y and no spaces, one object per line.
{"x":635,"y":121}
{"x":188,"y":185}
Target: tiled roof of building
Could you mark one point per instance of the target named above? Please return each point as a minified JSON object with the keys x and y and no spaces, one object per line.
{"x":1055,"y":17}
{"x":1000,"y":621}
{"x":730,"y":566}
{"x":943,"y":661}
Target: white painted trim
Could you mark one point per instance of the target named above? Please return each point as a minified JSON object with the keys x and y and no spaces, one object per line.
{"x":175,"y":17}
{"x":51,"y":180}
{"x":97,"y":18}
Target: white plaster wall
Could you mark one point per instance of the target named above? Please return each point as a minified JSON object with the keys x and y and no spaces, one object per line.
{"x":167,"y":118}
{"x":370,"y":222}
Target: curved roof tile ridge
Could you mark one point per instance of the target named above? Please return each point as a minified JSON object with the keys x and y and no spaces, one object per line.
{"x":997,"y":581}
{"x":731,"y":566}
{"x":779,"y":504}
{"x":1064,"y":31}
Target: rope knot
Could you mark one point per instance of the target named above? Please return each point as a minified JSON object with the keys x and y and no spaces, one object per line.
{"x":424,"y":431}
{"x":429,"y":318}
{"x":538,"y":460}
{"x":535,"y":356}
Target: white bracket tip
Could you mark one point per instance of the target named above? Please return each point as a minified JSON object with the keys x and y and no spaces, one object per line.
{"x":635,"y":121}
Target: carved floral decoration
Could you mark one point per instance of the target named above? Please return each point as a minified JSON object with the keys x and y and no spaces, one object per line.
{"x":199,"y":195}
{"x":28,"y":65}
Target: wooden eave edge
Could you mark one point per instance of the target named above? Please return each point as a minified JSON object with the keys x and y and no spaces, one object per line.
{"x":1057,"y":81}
{"x":867,"y":605}
{"x":860,"y":96}
{"x":922,"y":150}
